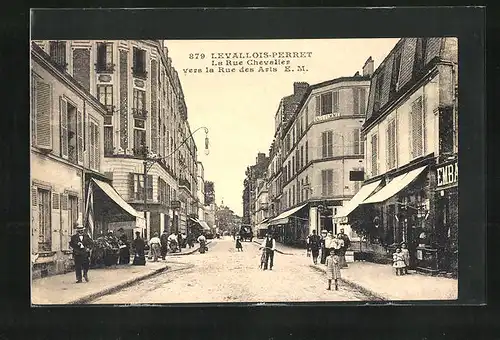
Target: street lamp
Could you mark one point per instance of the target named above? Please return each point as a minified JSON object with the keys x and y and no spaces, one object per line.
{"x":150,"y":160}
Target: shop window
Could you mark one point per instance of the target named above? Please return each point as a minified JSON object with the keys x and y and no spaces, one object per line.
{"x":44,"y":220}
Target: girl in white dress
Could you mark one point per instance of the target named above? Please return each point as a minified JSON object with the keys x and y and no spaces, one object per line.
{"x":398,"y":261}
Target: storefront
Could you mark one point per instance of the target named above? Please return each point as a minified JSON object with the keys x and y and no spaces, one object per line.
{"x":447,"y":215}
{"x":291,"y":226}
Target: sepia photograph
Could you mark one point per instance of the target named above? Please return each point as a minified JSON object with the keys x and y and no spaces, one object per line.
{"x":244,"y":171}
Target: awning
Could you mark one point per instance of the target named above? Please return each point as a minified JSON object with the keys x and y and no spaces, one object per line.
{"x":394,"y":186}
{"x":124,"y":208}
{"x":361,"y":195}
{"x":204,"y":225}
{"x":283,"y":217}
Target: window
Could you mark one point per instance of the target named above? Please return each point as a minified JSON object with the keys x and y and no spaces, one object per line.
{"x":138,"y":188}
{"x":94,"y":153}
{"x":327,"y":182}
{"x":71,"y":132}
{"x":307,"y":152}
{"x":299,"y":199}
{"x":359,"y":100}
{"x":306,"y":117}
{"x":326,"y":103}
{"x":391,"y":144}
{"x":57,"y":52}
{"x":289,"y":169}
{"x":105,"y":96}
{"x":139,"y":104}
{"x":108,"y":135}
{"x":73,"y":210}
{"x":293,"y":165}
{"x":378,"y":92}
{"x":162,"y":191}
{"x":41,"y":115}
{"x":297,"y":160}
{"x":139,"y":62}
{"x":396,"y":64}
{"x":44,"y":220}
{"x":327,"y":144}
{"x":302,"y":156}
{"x":293,"y":194}
{"x":307,"y":188}
{"x":358,"y":142}
{"x":374,"y":160}
{"x":420,"y":52}
{"x":417,"y":128}
{"x":105,"y":57}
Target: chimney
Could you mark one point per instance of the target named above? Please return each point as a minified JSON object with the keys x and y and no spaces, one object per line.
{"x":368,"y":68}
{"x":299,"y":88}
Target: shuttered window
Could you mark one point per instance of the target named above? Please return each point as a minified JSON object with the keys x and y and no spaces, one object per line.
{"x":358,"y":146}
{"x":417,"y":128}
{"x":80,"y":137}
{"x":307,"y":152}
{"x":327,"y":182}
{"x":326,"y":103}
{"x":391,"y":144}
{"x":108,"y":135}
{"x":42,"y":115}
{"x":57,"y":52}
{"x":327,"y":144}
{"x":335,"y":102}
{"x":374,"y":158}
{"x":94,"y":146}
{"x":137,"y":186}
{"x":44,"y":220}
{"x":359,"y":100}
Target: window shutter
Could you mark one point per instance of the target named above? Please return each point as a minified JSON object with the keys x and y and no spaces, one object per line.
{"x":34,"y":197}
{"x":97,"y":152}
{"x":33,"y":110}
{"x":355,"y":94}
{"x":329,"y":143}
{"x":55,"y":201}
{"x":79,"y":132}
{"x":43,"y":116}
{"x":362,"y":101}
{"x":64,"y":201}
{"x":63,"y":108}
{"x":34,"y":220}
{"x":131,"y":183}
{"x":318,"y":105}
{"x":159,"y":196}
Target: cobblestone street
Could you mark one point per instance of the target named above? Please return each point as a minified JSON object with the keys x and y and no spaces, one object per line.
{"x":225,"y":275}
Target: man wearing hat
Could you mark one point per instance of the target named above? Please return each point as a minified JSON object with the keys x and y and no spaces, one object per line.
{"x":81,"y":244}
{"x":269,"y":244}
{"x":164,"y":244}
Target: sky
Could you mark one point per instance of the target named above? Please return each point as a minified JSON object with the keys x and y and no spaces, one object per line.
{"x":238,"y":108}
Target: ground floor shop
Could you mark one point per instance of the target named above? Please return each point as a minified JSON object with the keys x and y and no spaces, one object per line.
{"x":408,"y":207}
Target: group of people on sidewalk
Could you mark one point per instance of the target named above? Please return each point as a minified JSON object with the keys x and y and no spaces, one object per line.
{"x":333,"y":250}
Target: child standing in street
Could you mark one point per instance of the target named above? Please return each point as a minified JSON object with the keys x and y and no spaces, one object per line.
{"x":406,"y":256}
{"x":239,"y":247}
{"x":398,"y":262}
{"x":333,"y":270}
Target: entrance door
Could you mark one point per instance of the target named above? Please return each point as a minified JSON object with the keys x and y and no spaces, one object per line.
{"x":45,"y":229}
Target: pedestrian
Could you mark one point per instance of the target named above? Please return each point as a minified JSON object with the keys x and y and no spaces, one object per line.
{"x":173,"y":243}
{"x":81,"y":244}
{"x":179,"y":240}
{"x":202,"y":240}
{"x":124,"y":254}
{"x":329,"y":244}
{"x":139,"y":246}
{"x":333,"y":270}
{"x":406,"y":256}
{"x":336,"y":245}
{"x":323,"y":246}
{"x":112,"y":250}
{"x":164,"y":244}
{"x":313,"y":245}
{"x":155,"y":245}
{"x":345,"y":247}
{"x":269,"y":244}
{"x":190,"y":240}
{"x":239,"y":246}
{"x":398,"y":261}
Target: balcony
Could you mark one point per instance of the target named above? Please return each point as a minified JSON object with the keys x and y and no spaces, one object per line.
{"x":185,"y":183}
{"x":139,"y":113}
{"x":105,"y":67}
{"x":140,"y":72}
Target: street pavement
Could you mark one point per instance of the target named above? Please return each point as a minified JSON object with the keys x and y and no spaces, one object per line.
{"x":224,"y":275}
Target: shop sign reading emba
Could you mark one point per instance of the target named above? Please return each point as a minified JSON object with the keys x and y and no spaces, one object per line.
{"x":325,"y":117}
{"x":447,"y":174}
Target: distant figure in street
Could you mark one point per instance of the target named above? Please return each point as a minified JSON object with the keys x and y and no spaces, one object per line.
{"x":139,"y":246}
{"x":323,"y":246}
{"x":263,"y":258}
{"x":336,"y":245}
{"x":269,"y":245}
{"x":345,"y":247}
{"x":81,"y":244}
{"x":202,"y":240}
{"x":333,"y":270}
{"x":406,"y":256}
{"x":239,"y":246}
{"x":155,"y":245}
{"x":164,"y":244}
{"x":124,"y":247}
{"x":190,"y":240}
{"x":173,"y":243}
{"x":398,"y":261}
{"x":313,"y":245}
{"x":112,"y":253}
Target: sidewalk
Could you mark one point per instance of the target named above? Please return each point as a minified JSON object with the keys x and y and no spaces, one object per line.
{"x":62,"y":289}
{"x":380,"y":281}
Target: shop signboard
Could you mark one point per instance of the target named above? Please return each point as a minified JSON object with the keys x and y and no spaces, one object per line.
{"x":447,"y":175}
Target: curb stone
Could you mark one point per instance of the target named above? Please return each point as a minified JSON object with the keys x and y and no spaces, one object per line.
{"x":371,"y":295}
{"x":191,"y":251}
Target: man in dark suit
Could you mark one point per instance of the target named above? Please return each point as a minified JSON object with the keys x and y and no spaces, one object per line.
{"x":81,"y":244}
